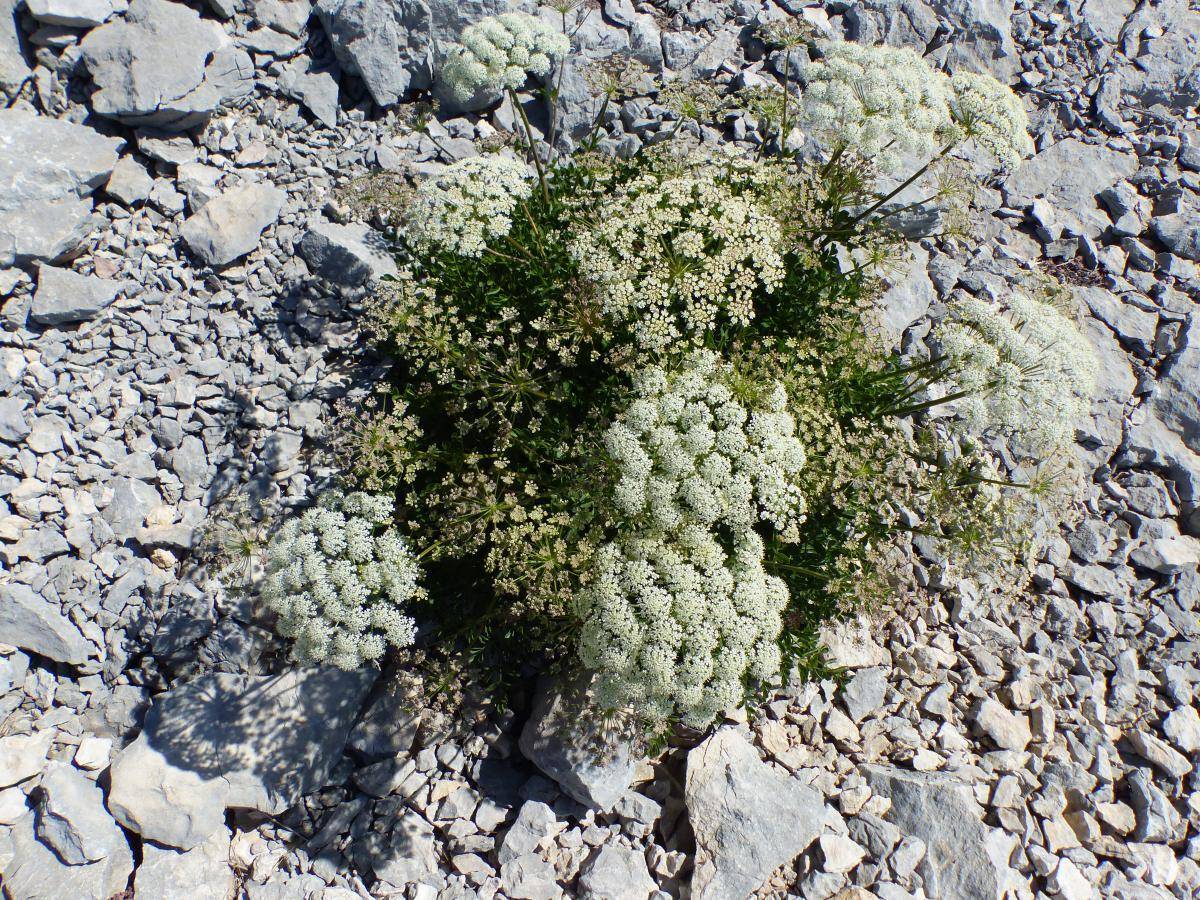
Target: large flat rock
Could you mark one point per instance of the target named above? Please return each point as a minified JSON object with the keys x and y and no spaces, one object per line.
{"x":232,"y":741}
{"x":228,"y":226}
{"x":36,"y":873}
{"x":749,"y":819}
{"x":48,"y":167}
{"x":164,"y":66}
{"x":29,"y":621}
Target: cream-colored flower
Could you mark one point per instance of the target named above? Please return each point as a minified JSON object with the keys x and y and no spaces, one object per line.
{"x":501,"y":52}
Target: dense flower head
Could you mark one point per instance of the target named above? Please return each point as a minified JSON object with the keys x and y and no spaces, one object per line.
{"x":676,"y":623}
{"x":988,"y":112}
{"x":339,"y":579}
{"x":500,"y":52}
{"x":466,"y":204}
{"x":673,"y":253}
{"x":1026,"y":367}
{"x":883,"y":102}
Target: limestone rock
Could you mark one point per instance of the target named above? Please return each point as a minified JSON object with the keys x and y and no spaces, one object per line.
{"x":221,"y":741}
{"x":36,"y":873}
{"x":64,"y":297}
{"x":23,"y":755}
{"x":202,"y":873}
{"x":30,"y":622}
{"x":47,"y":167}
{"x":75,"y":13}
{"x":130,"y":183}
{"x":961,"y":858}
{"x":564,"y":742}
{"x":748,"y":818}
{"x":14,"y":69}
{"x":346,"y":254}
{"x":616,"y":873}
{"x":229,"y":225}
{"x":162,"y":65}
{"x":72,"y":819}
{"x":1180,"y":231}
{"x":314,"y":86}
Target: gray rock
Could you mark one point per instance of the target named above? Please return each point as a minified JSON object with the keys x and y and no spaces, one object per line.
{"x":13,"y":425}
{"x":75,"y":13}
{"x":1008,"y":730}
{"x":131,"y":502}
{"x":535,"y":823}
{"x":748,"y":818}
{"x":72,"y":819}
{"x":888,"y":22}
{"x":1177,"y":394}
{"x":288,"y":16}
{"x":1180,"y":231}
{"x":202,"y":873}
{"x":229,"y":741}
{"x":529,"y":877}
{"x":36,"y":872}
{"x":14,"y":70}
{"x":407,"y":853}
{"x":962,"y":858}
{"x":23,"y":755}
{"x":1163,"y":67}
{"x":981,"y":35}
{"x":64,"y":297}
{"x":346,"y":254}
{"x":909,"y":296}
{"x":130,"y":183}
{"x":229,"y":225}
{"x":162,"y":65}
{"x":566,"y":742}
{"x":864,"y":693}
{"x":47,"y":167}
{"x":1070,"y":174}
{"x":314,"y":86}
{"x":30,"y":622}
{"x":392,"y":44}
{"x":616,"y":873}
{"x":1158,"y":821}
{"x":1168,"y":555}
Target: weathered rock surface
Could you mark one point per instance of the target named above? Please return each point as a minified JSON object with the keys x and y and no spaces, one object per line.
{"x":565,"y":744}
{"x":72,"y":820}
{"x":29,"y":621}
{"x":64,"y":296}
{"x":615,"y":873}
{"x":14,"y":70}
{"x":23,"y":755}
{"x":229,"y":225}
{"x":36,"y":872}
{"x":75,"y":13}
{"x":346,"y":254}
{"x":162,"y":65}
{"x":47,"y":169}
{"x":1071,"y":174}
{"x":250,"y":742}
{"x":959,"y":860}
{"x":748,"y":818}
{"x":202,"y":873}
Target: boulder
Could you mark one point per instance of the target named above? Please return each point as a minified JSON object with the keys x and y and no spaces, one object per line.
{"x":908,"y":297}
{"x":393,"y":44}
{"x":1162,"y":68}
{"x":14,"y":427}
{"x":202,"y":873}
{"x":23,"y":755}
{"x":347,"y":254}
{"x":229,"y":225}
{"x":232,"y":741}
{"x":749,"y":819}
{"x":72,"y":820}
{"x":981,"y":35}
{"x":30,"y":622}
{"x":64,"y":297}
{"x":313,"y":85}
{"x":14,"y":70}
{"x":1180,"y":231}
{"x":130,"y":183}
{"x":48,"y":167}
{"x":36,"y":872}
{"x":164,"y":66}
{"x":962,"y":859}
{"x":564,"y":739}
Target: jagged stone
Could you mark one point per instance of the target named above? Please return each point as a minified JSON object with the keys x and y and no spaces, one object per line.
{"x":748,"y":818}
{"x":75,"y":13}
{"x":64,"y":297}
{"x":36,"y":873}
{"x":346,"y":254}
{"x":202,"y":873}
{"x":72,"y":819}
{"x":229,"y":225}
{"x":29,"y":621}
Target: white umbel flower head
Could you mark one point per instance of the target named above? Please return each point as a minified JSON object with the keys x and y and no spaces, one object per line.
{"x":675,"y":622}
{"x":1028,"y":370}
{"x":501,"y":52}
{"x":883,"y":102}
{"x":989,"y":113}
{"x":674,"y":255}
{"x":339,"y":579}
{"x":467,"y":204}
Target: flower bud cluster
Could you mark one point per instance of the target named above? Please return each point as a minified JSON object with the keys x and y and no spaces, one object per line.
{"x":339,"y":578}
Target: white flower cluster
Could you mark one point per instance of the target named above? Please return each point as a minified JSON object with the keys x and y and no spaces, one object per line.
{"x":339,"y":578}
{"x":467,"y":204}
{"x":500,"y":52}
{"x":675,"y":624}
{"x":884,"y":102}
{"x":1027,"y":368}
{"x":887,"y":102}
{"x":672,"y":254}
{"x":989,"y":112}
